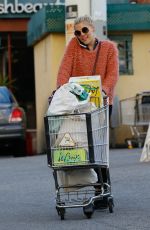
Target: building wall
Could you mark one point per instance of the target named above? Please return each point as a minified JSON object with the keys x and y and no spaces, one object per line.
{"x":130,"y":85}
{"x":47,"y":56}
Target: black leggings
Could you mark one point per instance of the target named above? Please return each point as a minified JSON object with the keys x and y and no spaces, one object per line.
{"x":110,"y":111}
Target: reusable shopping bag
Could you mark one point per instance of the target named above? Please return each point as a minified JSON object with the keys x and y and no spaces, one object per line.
{"x":76,"y":177}
{"x":67,"y":99}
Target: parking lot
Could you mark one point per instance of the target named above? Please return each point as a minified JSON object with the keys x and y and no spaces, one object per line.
{"x":27,"y":195}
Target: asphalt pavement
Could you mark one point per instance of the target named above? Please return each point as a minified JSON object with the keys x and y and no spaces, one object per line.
{"x":27,"y":195}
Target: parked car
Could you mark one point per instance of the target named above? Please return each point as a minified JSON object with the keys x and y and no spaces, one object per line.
{"x":12,"y":123}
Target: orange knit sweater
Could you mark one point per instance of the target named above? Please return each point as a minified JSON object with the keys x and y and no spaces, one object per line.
{"x":78,"y":61}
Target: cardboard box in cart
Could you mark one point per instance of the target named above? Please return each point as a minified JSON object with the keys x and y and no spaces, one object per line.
{"x":92,"y":84}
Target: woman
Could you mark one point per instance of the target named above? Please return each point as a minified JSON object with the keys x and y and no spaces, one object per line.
{"x":82,"y":52}
{"x":80,"y":56}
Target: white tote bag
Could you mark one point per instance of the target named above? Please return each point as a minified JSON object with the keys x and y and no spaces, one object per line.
{"x":65,"y":102}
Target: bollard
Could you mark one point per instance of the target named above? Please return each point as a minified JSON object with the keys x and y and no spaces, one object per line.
{"x":31,"y":142}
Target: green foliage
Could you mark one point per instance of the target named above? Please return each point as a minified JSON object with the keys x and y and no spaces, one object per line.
{"x":4,"y":81}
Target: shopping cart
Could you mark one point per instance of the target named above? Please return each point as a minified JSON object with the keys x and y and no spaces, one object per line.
{"x":135,"y":112}
{"x":79,"y":143}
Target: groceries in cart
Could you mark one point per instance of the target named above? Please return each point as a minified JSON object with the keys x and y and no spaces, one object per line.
{"x":66,"y":101}
{"x":69,"y":98}
{"x":92,"y":84}
{"x":72,"y":178}
{"x":77,"y":140}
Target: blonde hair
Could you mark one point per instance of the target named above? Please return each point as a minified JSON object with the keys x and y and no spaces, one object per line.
{"x":84,"y":18}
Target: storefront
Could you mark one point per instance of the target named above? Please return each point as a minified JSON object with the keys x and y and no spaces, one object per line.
{"x":16,"y":57}
{"x":46,"y":33}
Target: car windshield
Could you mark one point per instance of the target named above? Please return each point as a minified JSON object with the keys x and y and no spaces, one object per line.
{"x":5,"y":96}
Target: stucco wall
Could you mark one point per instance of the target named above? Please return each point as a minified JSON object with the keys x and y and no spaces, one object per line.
{"x":130,"y":85}
{"x":47,"y":56}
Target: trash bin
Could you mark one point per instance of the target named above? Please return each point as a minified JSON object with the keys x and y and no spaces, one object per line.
{"x":31,"y":142}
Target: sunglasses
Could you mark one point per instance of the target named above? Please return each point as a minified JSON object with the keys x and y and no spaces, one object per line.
{"x":84,"y":30}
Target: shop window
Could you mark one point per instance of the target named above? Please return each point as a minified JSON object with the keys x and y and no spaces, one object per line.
{"x":124,"y":44}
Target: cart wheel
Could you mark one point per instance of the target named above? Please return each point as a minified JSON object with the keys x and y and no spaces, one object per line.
{"x":61,"y":212}
{"x":89,"y":215}
{"x":88,"y":210}
{"x":110,"y":204}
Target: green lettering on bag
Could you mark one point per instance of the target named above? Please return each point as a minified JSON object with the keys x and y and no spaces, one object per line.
{"x":69,"y":156}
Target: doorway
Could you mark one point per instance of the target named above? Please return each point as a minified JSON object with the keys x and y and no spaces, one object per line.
{"x":17,"y":63}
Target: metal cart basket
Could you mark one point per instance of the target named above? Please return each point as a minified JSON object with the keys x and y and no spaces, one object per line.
{"x":135,"y":112}
{"x":79,"y":143}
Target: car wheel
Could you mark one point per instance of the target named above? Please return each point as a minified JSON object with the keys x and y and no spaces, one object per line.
{"x":19,"y":148}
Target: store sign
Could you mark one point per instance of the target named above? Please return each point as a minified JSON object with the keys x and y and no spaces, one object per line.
{"x":72,"y":11}
{"x":28,"y":7}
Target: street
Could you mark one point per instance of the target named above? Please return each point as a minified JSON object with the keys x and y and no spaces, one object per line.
{"x":27,"y":196}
